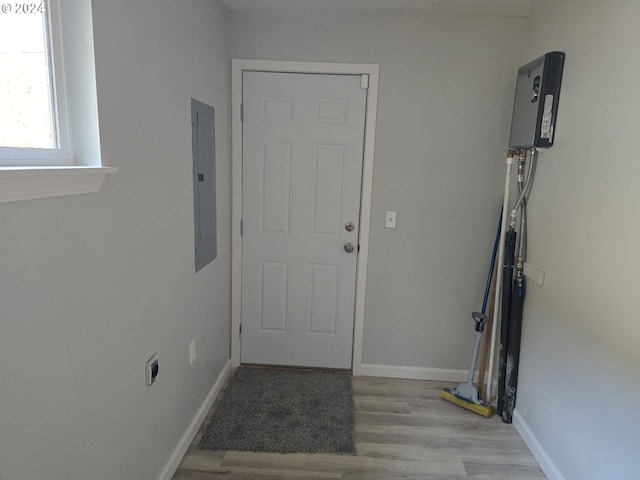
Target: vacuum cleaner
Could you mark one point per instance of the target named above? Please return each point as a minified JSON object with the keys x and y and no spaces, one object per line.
{"x":466,"y":394}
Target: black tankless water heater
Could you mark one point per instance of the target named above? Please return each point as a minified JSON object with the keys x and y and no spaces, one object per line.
{"x":536,"y":102}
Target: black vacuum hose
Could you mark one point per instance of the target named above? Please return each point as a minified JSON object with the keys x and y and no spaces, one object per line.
{"x":507,"y":288}
{"x":513,"y":351}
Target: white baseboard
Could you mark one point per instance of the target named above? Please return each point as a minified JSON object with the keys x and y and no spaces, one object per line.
{"x":183,"y":445}
{"x":413,"y":373}
{"x":546,"y":464}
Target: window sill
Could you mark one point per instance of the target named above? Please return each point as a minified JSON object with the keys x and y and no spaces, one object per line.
{"x":28,"y":183}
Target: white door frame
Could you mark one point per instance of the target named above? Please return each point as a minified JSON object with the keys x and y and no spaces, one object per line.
{"x":238,"y":66}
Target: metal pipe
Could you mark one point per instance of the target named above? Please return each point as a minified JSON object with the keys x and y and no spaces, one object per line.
{"x":474,"y":357}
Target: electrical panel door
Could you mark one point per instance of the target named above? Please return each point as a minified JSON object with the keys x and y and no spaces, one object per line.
{"x":203,"y":119}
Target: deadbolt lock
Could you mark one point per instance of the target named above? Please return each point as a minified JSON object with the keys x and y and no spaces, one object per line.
{"x":349,"y":226}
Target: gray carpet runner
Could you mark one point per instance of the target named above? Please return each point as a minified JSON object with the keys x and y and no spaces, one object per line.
{"x":284,"y":410}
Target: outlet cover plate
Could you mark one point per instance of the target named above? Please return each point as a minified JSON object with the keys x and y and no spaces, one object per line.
{"x":151,"y":370}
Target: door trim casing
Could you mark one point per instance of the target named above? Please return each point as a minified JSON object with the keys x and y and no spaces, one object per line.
{"x":238,"y":66}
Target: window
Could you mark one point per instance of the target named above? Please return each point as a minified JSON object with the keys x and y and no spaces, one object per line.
{"x":39,"y":157}
{"x":33,"y":117}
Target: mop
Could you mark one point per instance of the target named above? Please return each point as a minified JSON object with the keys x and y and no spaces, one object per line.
{"x":466,"y":395}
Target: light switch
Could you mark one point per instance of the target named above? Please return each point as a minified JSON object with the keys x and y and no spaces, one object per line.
{"x":390,"y":220}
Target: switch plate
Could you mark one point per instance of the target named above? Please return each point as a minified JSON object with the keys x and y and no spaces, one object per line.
{"x":390,"y":220}
{"x":192,"y":351}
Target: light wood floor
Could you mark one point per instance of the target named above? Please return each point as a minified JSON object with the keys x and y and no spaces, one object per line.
{"x":404,"y":430}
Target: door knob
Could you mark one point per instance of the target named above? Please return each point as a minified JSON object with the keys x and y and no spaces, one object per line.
{"x":349,"y":226}
{"x":348,"y":247}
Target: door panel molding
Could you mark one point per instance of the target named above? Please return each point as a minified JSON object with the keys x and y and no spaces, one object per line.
{"x":238,"y":66}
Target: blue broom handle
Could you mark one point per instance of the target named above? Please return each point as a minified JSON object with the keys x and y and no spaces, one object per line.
{"x":492,"y":266}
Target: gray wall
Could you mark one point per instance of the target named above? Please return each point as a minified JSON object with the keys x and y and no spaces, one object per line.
{"x":92,"y":285}
{"x":580,"y":378}
{"x":446,"y":89}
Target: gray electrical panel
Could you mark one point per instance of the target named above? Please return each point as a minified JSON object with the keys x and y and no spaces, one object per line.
{"x":535,"y":106}
{"x":203,"y":120}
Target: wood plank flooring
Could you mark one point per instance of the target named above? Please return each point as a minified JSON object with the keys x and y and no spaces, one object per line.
{"x":404,"y":431}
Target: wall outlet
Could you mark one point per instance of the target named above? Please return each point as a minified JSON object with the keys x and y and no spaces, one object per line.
{"x":151,"y":370}
{"x":192,"y":351}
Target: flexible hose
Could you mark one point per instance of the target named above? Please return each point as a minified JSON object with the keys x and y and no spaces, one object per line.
{"x":522,"y":248}
{"x":522,"y":243}
{"x":527,"y":186}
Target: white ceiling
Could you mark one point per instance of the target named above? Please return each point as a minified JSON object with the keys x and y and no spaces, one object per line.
{"x":407,"y":7}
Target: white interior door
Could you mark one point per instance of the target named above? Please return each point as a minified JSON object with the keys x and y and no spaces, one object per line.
{"x":303,"y":138}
